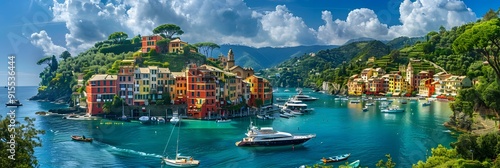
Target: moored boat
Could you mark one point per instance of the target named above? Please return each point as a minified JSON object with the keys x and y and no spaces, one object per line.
{"x":336,"y":158}
{"x":161,"y":120}
{"x":81,"y":138}
{"x":223,"y":120}
{"x":392,"y":109}
{"x":354,"y":164}
{"x":266,"y":136}
{"x":369,"y":104}
{"x":303,"y":97}
{"x":144,"y":119}
{"x":13,"y":103}
{"x":355,"y":101}
{"x":365,"y":109}
{"x":428,"y":103}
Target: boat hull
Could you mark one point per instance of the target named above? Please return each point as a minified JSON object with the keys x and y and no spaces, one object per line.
{"x":181,"y":162}
{"x":79,"y":138}
{"x":271,"y":143}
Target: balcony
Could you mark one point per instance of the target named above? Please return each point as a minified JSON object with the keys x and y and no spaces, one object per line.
{"x":123,"y":97}
{"x":130,"y":96}
{"x":122,"y":88}
{"x":98,"y":100}
{"x":160,"y":92}
{"x":136,"y":85}
{"x":130,"y":89}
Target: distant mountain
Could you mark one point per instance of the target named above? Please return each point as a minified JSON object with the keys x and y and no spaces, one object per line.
{"x":361,"y":39}
{"x":266,"y":57}
{"x":396,"y":43}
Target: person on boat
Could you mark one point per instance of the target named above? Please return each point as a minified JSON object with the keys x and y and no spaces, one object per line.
{"x":83,"y":137}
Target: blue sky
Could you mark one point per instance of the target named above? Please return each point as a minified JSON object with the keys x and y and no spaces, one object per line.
{"x":32,"y":29}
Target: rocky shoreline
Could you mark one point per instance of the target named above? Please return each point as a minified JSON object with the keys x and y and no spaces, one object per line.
{"x":479,"y":126}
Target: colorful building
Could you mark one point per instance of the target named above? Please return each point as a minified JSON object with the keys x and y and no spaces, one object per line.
{"x":176,"y":46}
{"x":396,"y":84}
{"x":426,"y":88}
{"x":260,"y":89}
{"x":100,"y":88}
{"x":150,"y":42}
{"x":150,"y":84}
{"x":201,"y":98}
{"x":454,"y":83}
{"x":375,"y":86}
{"x":180,"y":88}
{"x":126,"y":82}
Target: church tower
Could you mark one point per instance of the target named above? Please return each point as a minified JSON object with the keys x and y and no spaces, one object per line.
{"x":409,"y":75}
{"x":230,"y":59}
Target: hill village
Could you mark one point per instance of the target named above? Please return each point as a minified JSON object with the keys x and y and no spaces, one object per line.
{"x":407,"y":82}
{"x":205,"y":91}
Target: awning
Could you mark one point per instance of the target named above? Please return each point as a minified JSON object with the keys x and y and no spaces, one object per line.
{"x":434,"y":96}
{"x":396,"y":94}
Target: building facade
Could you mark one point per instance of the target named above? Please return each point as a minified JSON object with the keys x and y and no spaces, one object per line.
{"x":100,"y":88}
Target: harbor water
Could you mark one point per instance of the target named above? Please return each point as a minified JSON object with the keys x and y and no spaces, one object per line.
{"x":340,"y":127}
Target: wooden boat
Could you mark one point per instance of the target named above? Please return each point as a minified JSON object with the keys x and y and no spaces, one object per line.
{"x":80,"y":138}
{"x":354,"y":164}
{"x":336,"y":158}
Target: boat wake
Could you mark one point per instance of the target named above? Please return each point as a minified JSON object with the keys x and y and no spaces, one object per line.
{"x":130,"y":151}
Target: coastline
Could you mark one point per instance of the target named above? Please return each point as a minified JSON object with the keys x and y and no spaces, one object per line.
{"x":480,"y":126}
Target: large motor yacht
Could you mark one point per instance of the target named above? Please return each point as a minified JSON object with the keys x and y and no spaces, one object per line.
{"x":303,"y":97}
{"x":266,"y":136}
{"x":294,"y":104}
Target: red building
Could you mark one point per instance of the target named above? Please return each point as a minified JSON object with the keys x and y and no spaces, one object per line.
{"x":375,"y":86}
{"x":100,"y":88}
{"x":180,"y":89}
{"x":201,"y":93}
{"x":150,"y":42}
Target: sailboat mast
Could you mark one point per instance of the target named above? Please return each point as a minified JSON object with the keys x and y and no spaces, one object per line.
{"x":177,"y":148}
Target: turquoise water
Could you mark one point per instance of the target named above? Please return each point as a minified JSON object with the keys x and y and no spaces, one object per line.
{"x":340,"y":128}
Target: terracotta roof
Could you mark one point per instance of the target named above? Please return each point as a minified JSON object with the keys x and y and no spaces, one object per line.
{"x":179,"y":74}
{"x":143,"y":70}
{"x":163,"y":70}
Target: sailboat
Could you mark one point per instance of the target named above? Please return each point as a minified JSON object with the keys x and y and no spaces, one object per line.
{"x":179,"y":160}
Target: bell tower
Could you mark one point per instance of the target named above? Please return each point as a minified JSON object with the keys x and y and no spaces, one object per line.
{"x":230,"y":59}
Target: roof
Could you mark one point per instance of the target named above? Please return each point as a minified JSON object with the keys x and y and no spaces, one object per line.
{"x":143,"y":70}
{"x":229,"y":73}
{"x":212,"y":68}
{"x":178,"y":74}
{"x":163,"y":70}
{"x":99,"y":77}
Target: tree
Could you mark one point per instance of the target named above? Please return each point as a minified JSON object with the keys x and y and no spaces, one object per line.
{"x":118,"y":36}
{"x":44,"y":60}
{"x":137,"y":39}
{"x":25,"y":138}
{"x":54,"y":64}
{"x":491,"y":14}
{"x":206,"y":47}
{"x":483,"y":38}
{"x":168,"y":30}
{"x":163,"y":44}
{"x":388,"y":164}
{"x":65,"y":55}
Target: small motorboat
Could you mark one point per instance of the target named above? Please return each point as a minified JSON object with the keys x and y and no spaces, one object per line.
{"x":392,"y":109}
{"x":369,"y":104}
{"x":223,"y":120}
{"x":174,"y":120}
{"x":269,"y":117}
{"x":355,"y":101}
{"x":81,"y":138}
{"x":262,"y":117}
{"x":13,"y":103}
{"x":144,"y":119}
{"x":161,"y":120}
{"x":284,"y":116}
{"x":404,"y":102}
{"x":336,"y":158}
{"x":428,"y":103}
{"x":365,"y":109}
{"x":354,"y":164}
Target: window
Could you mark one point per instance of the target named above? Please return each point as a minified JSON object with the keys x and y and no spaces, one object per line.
{"x":192,"y":93}
{"x":110,"y":90}
{"x":192,"y":101}
{"x":129,"y":78}
{"x":198,"y":94}
{"x":98,"y":90}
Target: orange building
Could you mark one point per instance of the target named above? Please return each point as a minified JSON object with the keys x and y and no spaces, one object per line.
{"x":150,"y":42}
{"x":260,"y":89}
{"x":179,"y":93}
{"x":201,"y":93}
{"x":100,"y":88}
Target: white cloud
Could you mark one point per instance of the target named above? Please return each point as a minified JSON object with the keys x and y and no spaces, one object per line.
{"x":42,"y":40}
{"x":422,"y":16}
{"x":359,"y":23}
{"x":232,"y":21}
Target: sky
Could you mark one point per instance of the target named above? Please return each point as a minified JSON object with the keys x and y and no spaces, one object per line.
{"x":32,"y":29}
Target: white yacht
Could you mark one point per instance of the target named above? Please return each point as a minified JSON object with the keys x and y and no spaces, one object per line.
{"x":175,"y":118}
{"x":293,"y":104}
{"x":303,"y":97}
{"x":266,"y":136}
{"x":393,"y":109}
{"x":144,"y":119}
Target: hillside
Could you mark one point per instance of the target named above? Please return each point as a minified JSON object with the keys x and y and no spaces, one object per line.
{"x":59,"y":78}
{"x":266,"y":57}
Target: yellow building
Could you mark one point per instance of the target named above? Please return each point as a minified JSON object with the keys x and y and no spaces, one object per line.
{"x":150,"y":84}
{"x":396,"y":85}
{"x":454,"y":83}
{"x":176,"y":46}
